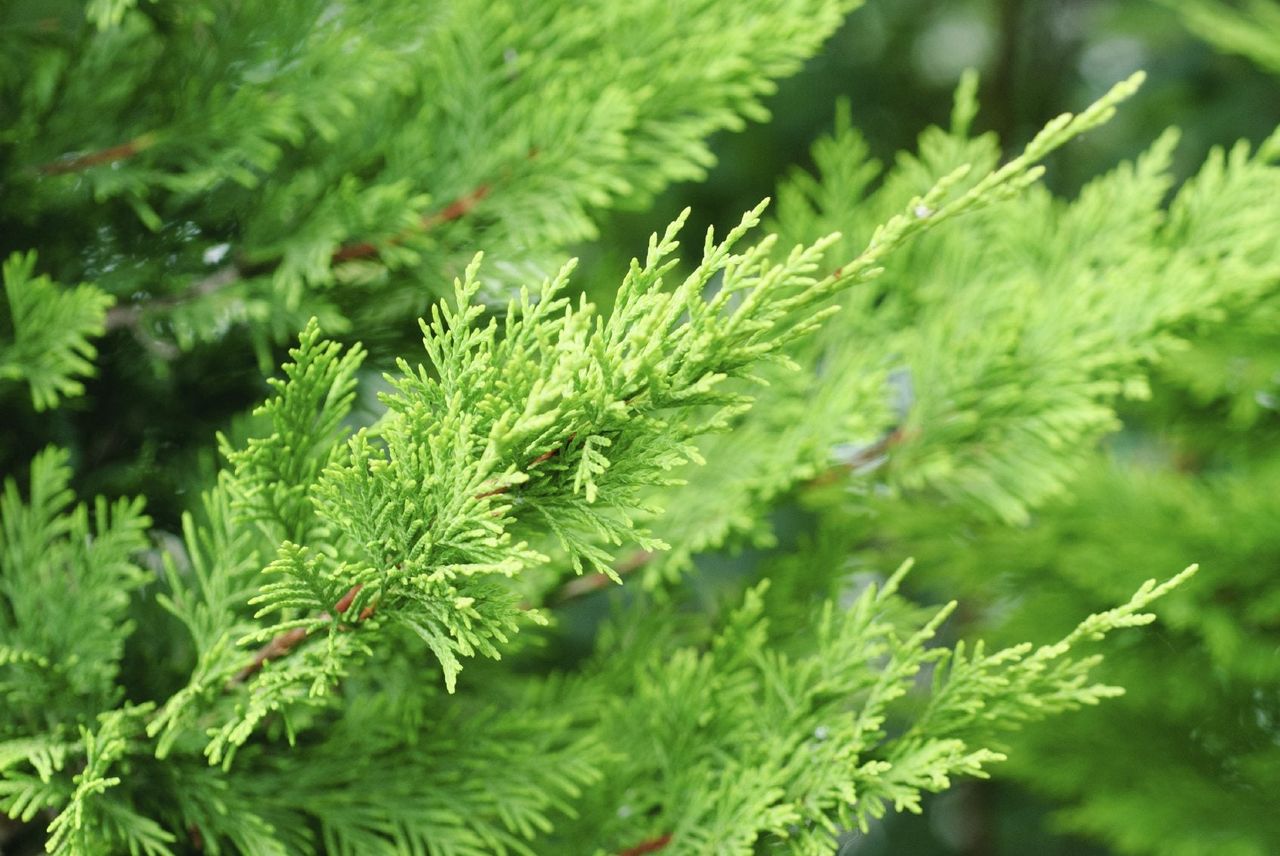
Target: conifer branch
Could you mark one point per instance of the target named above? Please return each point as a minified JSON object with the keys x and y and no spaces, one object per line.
{"x":782,"y":294}
{"x":554,"y":432}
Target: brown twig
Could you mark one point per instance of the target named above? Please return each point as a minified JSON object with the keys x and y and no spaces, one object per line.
{"x":285,"y":642}
{"x":653,"y":845}
{"x":345,"y":603}
{"x":543,"y":458}
{"x":868,"y":457}
{"x":111,"y":154}
{"x":128,"y":316}
{"x":455,"y":210}
{"x":275,"y":649}
{"x":589,"y":583}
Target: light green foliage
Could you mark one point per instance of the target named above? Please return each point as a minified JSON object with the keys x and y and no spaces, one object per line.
{"x":787,"y":735}
{"x":65,"y":589}
{"x":1212,"y":743}
{"x":274,"y":473}
{"x":66,"y":578}
{"x":45,"y":330}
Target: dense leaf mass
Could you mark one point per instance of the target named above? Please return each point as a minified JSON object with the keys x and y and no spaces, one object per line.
{"x":362,"y":640}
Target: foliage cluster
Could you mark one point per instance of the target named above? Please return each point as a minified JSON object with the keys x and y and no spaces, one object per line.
{"x":358,"y":642}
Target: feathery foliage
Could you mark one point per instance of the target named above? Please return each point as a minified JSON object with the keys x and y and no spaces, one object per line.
{"x":940,"y":337}
{"x":46,"y":330}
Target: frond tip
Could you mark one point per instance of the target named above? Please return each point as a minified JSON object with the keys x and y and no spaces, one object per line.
{"x":45,"y":331}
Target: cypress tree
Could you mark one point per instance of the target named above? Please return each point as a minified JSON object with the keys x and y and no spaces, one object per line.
{"x":299,"y":275}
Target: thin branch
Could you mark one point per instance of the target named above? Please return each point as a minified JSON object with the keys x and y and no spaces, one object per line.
{"x":653,"y":845}
{"x":455,"y":210}
{"x":79,"y":163}
{"x":543,"y":458}
{"x":588,"y":583}
{"x":273,"y":650}
{"x":285,"y":642}
{"x":129,"y":315}
{"x":865,"y":458}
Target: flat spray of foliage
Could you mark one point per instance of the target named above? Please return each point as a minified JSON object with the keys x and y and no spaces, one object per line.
{"x":340,"y":654}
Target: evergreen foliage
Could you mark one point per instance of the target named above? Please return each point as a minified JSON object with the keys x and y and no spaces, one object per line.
{"x":1193,"y":473}
{"x":47,"y":331}
{"x":321,"y":162}
{"x":942,"y":341}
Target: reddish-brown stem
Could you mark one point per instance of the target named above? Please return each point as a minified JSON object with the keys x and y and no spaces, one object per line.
{"x":273,"y":650}
{"x":653,"y":845}
{"x":543,"y":458}
{"x":589,"y":583}
{"x":124,"y":151}
{"x":455,"y":210}
{"x":128,"y":315}
{"x":285,"y":642}
{"x":546,"y":456}
{"x":345,"y":603}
